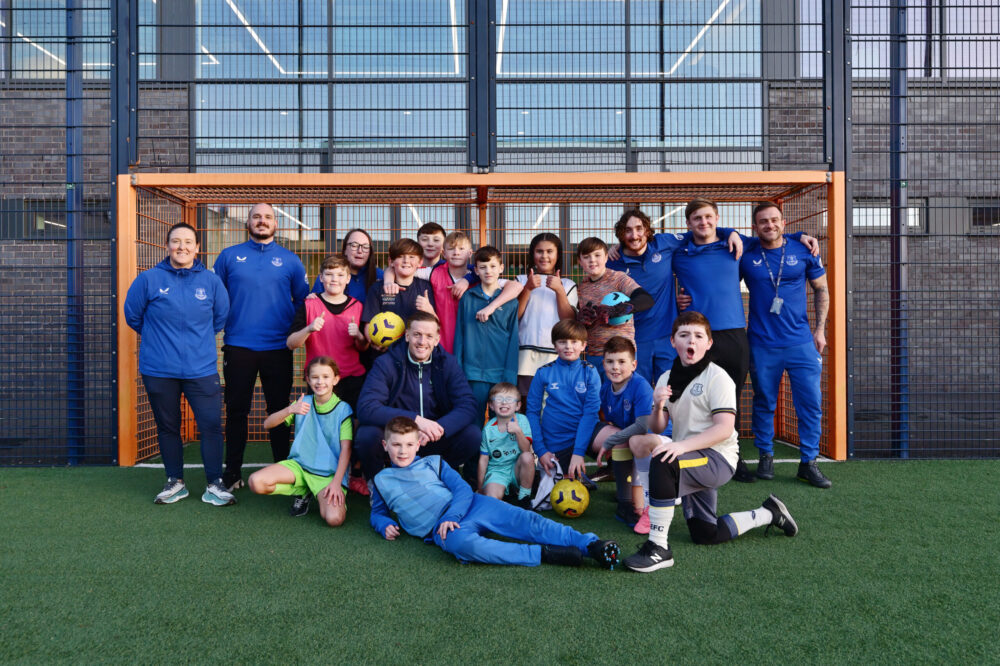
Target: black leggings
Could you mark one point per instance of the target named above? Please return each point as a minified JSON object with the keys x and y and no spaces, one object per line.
{"x":664,"y":484}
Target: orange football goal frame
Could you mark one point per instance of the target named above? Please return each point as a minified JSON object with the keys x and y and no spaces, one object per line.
{"x":500,"y":209}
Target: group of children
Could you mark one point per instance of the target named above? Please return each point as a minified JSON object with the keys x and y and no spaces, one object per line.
{"x":571,"y":352}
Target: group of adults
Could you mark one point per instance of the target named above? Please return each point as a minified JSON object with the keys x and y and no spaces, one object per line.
{"x":179,"y":306}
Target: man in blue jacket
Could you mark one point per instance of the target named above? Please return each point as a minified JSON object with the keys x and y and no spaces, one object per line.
{"x":420,"y":381}
{"x":266,"y":284}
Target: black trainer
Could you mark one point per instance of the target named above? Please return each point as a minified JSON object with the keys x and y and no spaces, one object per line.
{"x":780,"y":517}
{"x":650,"y":558}
{"x":809,"y":472}
{"x":743,"y":474}
{"x":300,"y":506}
{"x":567,"y":556}
{"x":626,"y":514}
{"x":765,"y":467}
{"x":524,"y":502}
{"x":605,"y":552}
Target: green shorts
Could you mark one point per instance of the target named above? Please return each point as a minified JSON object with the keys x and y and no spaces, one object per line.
{"x":305,"y":482}
{"x":504,"y":475}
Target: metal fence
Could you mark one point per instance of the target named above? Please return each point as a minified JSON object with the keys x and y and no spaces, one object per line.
{"x":904,"y":101}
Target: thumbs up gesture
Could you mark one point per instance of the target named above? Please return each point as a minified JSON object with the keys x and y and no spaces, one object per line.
{"x":317,"y":323}
{"x":533,"y":281}
{"x":300,"y":406}
{"x":352,"y":329}
{"x":554,"y":282}
{"x":423,"y":302}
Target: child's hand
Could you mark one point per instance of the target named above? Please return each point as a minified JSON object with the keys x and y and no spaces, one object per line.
{"x":353,"y":330}
{"x":669,"y":448}
{"x":300,"y":406}
{"x":576,"y":467}
{"x":513,"y":428}
{"x":600,"y":456}
{"x":423,"y":302}
{"x":547,"y":462}
{"x":332,"y":494}
{"x":683,"y":299}
{"x":460,"y":287}
{"x":445,"y":527}
{"x":533,"y":281}
{"x":317,"y":323}
{"x":661,"y":395}
{"x":554,"y":282}
{"x":391,"y":532}
{"x":390,"y":287}
{"x":311,"y":296}
{"x":484,"y":314}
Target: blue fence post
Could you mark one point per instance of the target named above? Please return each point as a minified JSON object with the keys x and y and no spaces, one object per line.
{"x":899,"y":353}
{"x":75,"y":359}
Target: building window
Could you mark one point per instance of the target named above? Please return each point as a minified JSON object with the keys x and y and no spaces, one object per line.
{"x":985,"y":216}
{"x":874,"y":216}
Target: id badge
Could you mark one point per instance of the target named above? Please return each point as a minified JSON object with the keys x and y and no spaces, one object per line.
{"x":776,"y":305}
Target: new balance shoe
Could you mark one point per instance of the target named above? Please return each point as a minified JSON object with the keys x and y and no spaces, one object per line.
{"x":809,"y":472}
{"x":173,"y":491}
{"x":626,"y":514}
{"x":217,"y":495}
{"x":743,"y":474}
{"x":650,"y":558}
{"x":765,"y":467}
{"x":780,"y":517}
{"x":300,"y":506}
{"x":604,"y":552}
{"x":567,"y":556}
{"x":357,"y":484}
{"x":642,"y":527}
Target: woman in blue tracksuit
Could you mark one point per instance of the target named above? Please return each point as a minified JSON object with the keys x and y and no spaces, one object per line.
{"x":177,"y":307}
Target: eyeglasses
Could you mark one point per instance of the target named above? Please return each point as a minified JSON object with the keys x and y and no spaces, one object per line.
{"x":359,"y":247}
{"x":504,"y":400}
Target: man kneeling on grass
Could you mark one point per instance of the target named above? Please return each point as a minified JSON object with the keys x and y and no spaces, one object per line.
{"x":432,"y":501}
{"x":700,"y":399}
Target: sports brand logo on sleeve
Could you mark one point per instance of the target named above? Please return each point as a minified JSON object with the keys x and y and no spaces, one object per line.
{"x":165,"y":291}
{"x":553,"y":386}
{"x":240,"y":260}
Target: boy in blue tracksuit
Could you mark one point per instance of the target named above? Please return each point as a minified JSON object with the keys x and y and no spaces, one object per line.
{"x":432,"y":502}
{"x":563,"y":402}
{"x":486,"y":346}
{"x":266,"y":284}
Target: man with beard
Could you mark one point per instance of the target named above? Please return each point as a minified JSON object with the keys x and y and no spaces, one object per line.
{"x":266,"y":284}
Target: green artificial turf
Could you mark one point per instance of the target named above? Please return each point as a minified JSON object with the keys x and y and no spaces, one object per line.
{"x":896,"y":563}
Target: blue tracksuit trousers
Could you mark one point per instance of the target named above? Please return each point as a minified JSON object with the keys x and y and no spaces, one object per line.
{"x":805,"y":368}
{"x":488,"y":514}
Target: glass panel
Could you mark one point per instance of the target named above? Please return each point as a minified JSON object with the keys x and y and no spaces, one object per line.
{"x":399,"y":38}
{"x":563,"y":114}
{"x":38,"y":48}
{"x":540,"y":38}
{"x":696,"y":38}
{"x":411,"y":114}
{"x":697,"y":114}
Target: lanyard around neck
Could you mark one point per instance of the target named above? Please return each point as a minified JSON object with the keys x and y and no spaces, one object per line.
{"x":781,"y":264}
